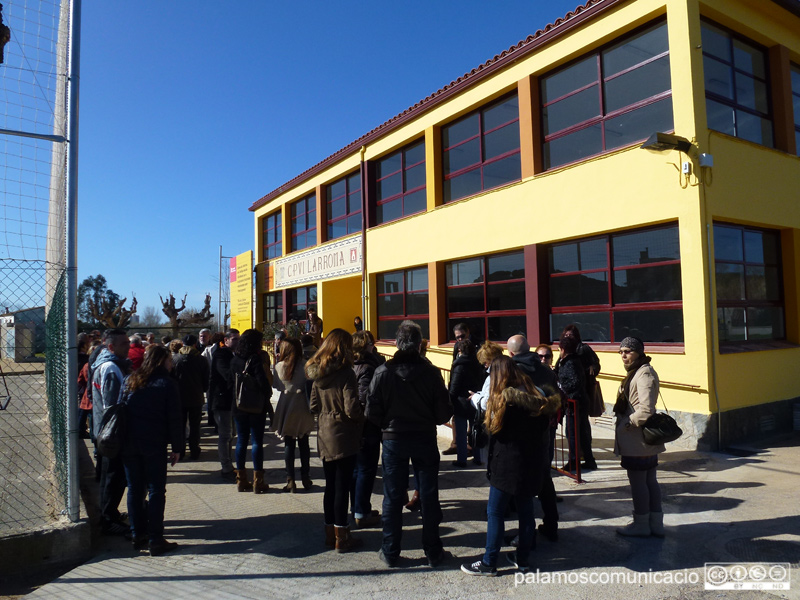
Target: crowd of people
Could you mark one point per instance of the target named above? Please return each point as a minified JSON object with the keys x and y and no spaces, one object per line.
{"x":504,"y":406}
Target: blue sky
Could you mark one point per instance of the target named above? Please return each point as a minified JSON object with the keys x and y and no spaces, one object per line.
{"x":191,"y":111}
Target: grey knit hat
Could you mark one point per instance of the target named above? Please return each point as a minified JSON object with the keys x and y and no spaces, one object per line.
{"x":633,"y":343}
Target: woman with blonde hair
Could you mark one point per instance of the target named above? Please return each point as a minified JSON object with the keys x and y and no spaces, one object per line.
{"x":334,"y":397}
{"x":517,"y":419}
{"x":293,"y":418}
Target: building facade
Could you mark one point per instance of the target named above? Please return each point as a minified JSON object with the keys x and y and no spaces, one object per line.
{"x":519,"y":198}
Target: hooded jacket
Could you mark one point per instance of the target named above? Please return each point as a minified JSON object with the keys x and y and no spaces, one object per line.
{"x":407,"y":396}
{"x":542,"y":377}
{"x":334,"y":397}
{"x":108,"y":374}
{"x":519,"y":453}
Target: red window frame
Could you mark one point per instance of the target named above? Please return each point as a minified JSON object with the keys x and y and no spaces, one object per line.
{"x":292,"y":303}
{"x":747,"y":302}
{"x":612,"y":307}
{"x":404,"y":191}
{"x":272,"y":223}
{"x":304,"y":222}
{"x":275,"y":311}
{"x":481,"y":135}
{"x":603,"y":116}
{"x":733,"y":103}
{"x":404,"y":293}
{"x":352,"y":205}
{"x":485,"y":314}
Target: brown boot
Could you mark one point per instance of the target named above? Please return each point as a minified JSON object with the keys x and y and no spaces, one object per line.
{"x":345,"y":542}
{"x":259,"y":485}
{"x":290,"y":485}
{"x":330,"y":536}
{"x":242,"y":481}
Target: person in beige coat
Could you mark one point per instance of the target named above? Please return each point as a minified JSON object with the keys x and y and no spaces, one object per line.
{"x":334,"y":397}
{"x":636,"y":402}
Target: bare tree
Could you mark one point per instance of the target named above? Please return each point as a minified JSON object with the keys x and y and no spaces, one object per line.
{"x":191,"y":317}
{"x":112,"y":315}
{"x":150,"y":317}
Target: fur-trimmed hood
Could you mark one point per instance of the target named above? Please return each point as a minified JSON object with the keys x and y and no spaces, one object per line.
{"x":531,"y":404}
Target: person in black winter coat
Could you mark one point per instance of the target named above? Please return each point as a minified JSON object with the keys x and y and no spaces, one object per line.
{"x":466,"y":376}
{"x":153,"y":423}
{"x":572,"y":380}
{"x":249,"y":357}
{"x":191,"y":370}
{"x":221,"y":398}
{"x":364,"y":364}
{"x":518,"y":422}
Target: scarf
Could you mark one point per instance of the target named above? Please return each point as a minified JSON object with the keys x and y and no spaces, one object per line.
{"x":622,"y":403}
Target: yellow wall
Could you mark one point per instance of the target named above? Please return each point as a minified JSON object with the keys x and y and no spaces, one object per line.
{"x":338,"y":301}
{"x":628,"y":188}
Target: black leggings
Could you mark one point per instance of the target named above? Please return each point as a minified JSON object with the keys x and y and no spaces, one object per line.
{"x":645,"y":491}
{"x":305,"y":455}
{"x":338,"y":477}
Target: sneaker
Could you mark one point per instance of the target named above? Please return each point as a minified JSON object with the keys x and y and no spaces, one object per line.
{"x":389,"y":561}
{"x":479,"y":568}
{"x":436,"y":558}
{"x":228,"y":475}
{"x":511,"y":557}
{"x":162,"y":548}
{"x":140,"y":543}
{"x":373,"y":519}
{"x":114,"y":528}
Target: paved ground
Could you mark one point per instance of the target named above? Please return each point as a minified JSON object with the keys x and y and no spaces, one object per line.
{"x":719,"y":507}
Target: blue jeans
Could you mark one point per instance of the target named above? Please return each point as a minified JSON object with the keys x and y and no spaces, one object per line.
{"x":147,"y":473}
{"x":248,"y":426}
{"x":424,"y":456}
{"x":366,"y":470}
{"x":496,"y":510}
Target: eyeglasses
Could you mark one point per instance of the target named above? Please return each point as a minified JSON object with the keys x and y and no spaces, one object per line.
{"x":545,"y":356}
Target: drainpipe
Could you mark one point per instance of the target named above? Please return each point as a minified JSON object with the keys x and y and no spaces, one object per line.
{"x":711,"y":331}
{"x":364,"y":181}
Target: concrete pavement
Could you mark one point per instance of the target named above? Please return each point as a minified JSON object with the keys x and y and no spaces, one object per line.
{"x":719,"y":507}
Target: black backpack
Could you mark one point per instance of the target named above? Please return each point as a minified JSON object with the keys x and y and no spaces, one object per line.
{"x":113,"y":428}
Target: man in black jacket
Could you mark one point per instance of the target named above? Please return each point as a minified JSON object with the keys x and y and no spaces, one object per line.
{"x":530,"y":364}
{"x":191,"y":371}
{"x":407,"y":398}
{"x":221,"y":397}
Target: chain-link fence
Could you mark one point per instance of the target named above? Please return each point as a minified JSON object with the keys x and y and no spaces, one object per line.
{"x":34,"y":402}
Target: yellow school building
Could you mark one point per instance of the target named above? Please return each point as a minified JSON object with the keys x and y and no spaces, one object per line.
{"x":631,"y":168}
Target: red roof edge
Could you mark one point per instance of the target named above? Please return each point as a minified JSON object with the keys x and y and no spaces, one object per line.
{"x":560,"y":27}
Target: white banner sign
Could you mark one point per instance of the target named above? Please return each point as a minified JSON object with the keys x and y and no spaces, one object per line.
{"x":321,"y":262}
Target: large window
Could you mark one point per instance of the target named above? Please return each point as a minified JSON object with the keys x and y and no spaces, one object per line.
{"x":488,"y":294}
{"x":271,"y":236}
{"x":299,"y":301}
{"x":618,"y":285}
{"x":344,"y":206}
{"x":796,"y":101}
{"x":402,"y":295}
{"x":481,"y":150}
{"x":749,"y":286}
{"x":612,"y":98}
{"x":304,"y":223}
{"x":400,"y":184}
{"x":273,"y":307}
{"x":737,"y":98}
